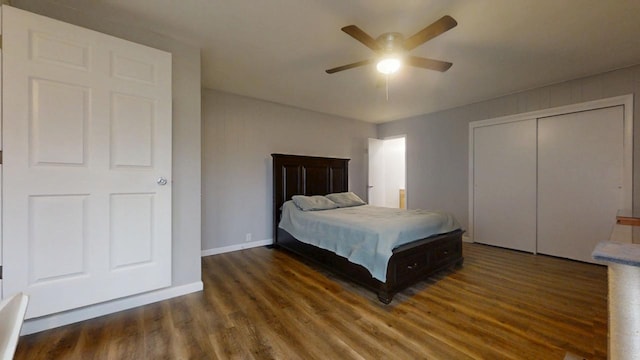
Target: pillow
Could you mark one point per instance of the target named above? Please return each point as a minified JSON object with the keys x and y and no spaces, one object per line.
{"x":312,"y":203}
{"x":346,"y":199}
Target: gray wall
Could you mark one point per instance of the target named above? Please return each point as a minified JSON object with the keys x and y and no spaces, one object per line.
{"x":186,"y":129}
{"x":438,"y":143}
{"x":239,"y":136}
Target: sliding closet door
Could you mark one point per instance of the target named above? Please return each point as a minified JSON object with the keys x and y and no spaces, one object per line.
{"x":504,"y":201}
{"x":580,"y":180}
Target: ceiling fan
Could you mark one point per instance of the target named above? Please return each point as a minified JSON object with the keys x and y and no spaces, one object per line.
{"x":392,"y":48}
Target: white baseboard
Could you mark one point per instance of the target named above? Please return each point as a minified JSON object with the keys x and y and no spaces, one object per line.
{"x":236,"y":247}
{"x":89,"y":312}
{"x":466,"y":238}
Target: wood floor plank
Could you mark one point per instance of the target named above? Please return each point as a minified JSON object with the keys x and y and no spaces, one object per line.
{"x":268,"y":304}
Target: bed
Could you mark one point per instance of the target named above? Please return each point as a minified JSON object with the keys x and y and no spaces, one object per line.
{"x":409,"y":263}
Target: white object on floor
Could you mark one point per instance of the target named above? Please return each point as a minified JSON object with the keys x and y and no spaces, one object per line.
{"x":12,"y":312}
{"x":570,"y":356}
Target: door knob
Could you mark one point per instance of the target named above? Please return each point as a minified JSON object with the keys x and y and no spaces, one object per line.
{"x":162,"y":181}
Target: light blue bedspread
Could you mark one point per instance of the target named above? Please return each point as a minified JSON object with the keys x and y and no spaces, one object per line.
{"x":366,"y":235}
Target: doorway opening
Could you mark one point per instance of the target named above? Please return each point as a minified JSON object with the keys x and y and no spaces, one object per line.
{"x":387,"y":172}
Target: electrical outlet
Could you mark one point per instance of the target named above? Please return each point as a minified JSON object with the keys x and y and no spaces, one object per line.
{"x":247,"y":237}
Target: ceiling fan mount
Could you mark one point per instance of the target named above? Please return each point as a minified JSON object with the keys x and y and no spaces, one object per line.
{"x":394,"y":45}
{"x":391,"y":42}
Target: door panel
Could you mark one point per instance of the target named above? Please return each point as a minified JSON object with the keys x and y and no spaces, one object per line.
{"x":87,"y":132}
{"x":131,"y":229}
{"x":56,"y":139}
{"x":580,"y":180}
{"x":505,"y":185}
{"x":131,"y":131}
{"x":57,"y":229}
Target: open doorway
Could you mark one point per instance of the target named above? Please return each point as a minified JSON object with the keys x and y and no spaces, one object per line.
{"x":387,"y":172}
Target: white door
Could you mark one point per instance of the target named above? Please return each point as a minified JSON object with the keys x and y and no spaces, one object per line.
{"x":580,"y":180}
{"x":376,"y":173}
{"x":504,"y":167}
{"x":86,"y":135}
{"x":394,"y":171}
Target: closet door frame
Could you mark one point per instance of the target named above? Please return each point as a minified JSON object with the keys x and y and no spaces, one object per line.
{"x":625,"y":100}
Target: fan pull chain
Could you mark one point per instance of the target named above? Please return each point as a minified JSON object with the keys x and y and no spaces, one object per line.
{"x":386,"y":78}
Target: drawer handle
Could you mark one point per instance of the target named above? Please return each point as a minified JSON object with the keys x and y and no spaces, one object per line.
{"x":413,"y":266}
{"x":446,"y":252}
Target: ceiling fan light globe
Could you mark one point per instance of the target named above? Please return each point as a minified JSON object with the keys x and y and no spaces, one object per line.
{"x":389,"y":65}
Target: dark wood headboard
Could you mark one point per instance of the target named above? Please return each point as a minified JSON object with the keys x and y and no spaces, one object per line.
{"x":305,"y":175}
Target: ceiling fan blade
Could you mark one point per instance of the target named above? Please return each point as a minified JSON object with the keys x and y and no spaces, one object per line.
{"x":350,"y":66}
{"x":440,"y":26}
{"x":357,"y":33}
{"x":428,"y":63}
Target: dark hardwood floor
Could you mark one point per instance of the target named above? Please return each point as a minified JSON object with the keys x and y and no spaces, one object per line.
{"x":266,"y":304}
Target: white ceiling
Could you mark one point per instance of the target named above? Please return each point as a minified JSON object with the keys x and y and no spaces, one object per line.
{"x":277,"y":50}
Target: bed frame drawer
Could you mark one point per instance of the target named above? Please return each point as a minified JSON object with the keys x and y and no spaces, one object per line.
{"x":412,"y":264}
{"x":444,"y":253}
{"x":423,"y":259}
